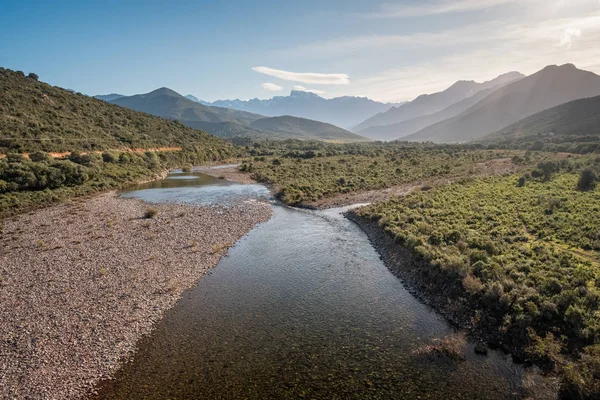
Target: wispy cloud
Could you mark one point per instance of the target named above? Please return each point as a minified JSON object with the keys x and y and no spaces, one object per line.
{"x":271,"y":86}
{"x":440,"y":7}
{"x":569,"y":35}
{"x":305,"y":77}
{"x":526,"y":47}
{"x":466,"y":35}
{"x":303,"y":89}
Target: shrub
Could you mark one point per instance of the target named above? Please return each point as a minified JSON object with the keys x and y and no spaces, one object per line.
{"x":33,"y":76}
{"x":472,"y":284}
{"x":587,"y":180}
{"x":78,"y":158}
{"x":39,"y":156}
{"x":108,"y":157}
{"x":150,"y":213}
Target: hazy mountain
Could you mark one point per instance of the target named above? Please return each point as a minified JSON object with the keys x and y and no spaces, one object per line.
{"x":342,"y":111}
{"x":227,"y":122}
{"x":547,"y":88}
{"x":576,"y":121}
{"x":108,"y":97}
{"x":432,"y":103}
{"x":405,"y":128}
{"x":305,"y":128}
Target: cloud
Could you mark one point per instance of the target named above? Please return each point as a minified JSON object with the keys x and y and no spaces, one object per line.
{"x":568,"y":36}
{"x":305,"y":77}
{"x":526,"y":47}
{"x":382,"y":69}
{"x":303,"y":89}
{"x":271,"y":86}
{"x":467,"y":35}
{"x":439,"y":7}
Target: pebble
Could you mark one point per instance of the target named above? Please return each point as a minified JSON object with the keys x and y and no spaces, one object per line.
{"x":82,"y":282}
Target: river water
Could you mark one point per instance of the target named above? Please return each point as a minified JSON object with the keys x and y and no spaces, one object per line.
{"x":302,"y":307}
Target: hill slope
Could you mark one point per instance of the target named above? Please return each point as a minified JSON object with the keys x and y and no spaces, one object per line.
{"x":576,"y":122}
{"x":37,"y":116}
{"x":305,"y":128}
{"x":432,"y":103}
{"x":341,"y":111}
{"x":547,"y":88}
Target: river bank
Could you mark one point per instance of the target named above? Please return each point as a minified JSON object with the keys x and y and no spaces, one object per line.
{"x":435,"y":291}
{"x":82,"y":281}
{"x":231,"y":172}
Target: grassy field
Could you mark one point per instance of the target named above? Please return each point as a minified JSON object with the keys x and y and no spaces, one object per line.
{"x":523,"y":253}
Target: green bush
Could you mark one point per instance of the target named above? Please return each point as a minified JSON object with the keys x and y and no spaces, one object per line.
{"x":108,"y":157}
{"x":587,"y":179}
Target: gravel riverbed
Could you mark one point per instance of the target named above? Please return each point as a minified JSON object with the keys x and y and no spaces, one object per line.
{"x":81,"y":282}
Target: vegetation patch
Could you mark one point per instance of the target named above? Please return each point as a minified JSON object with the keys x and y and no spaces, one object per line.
{"x":302,"y":176}
{"x":523,"y":258}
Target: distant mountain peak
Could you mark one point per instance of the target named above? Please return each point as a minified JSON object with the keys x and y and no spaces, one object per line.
{"x":304,"y":94}
{"x":192,"y":98}
{"x":163,"y":91}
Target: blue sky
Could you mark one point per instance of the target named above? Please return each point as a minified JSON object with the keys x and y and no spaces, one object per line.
{"x":388,"y":51}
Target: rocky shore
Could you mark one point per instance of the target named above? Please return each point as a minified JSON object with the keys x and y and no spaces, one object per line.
{"x":230,"y":172}
{"x":82,"y":281}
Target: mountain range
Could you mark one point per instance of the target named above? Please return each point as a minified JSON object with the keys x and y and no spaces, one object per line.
{"x":465,"y":111}
{"x":432,"y":103}
{"x":405,"y":128}
{"x":341,"y":111}
{"x":230,"y":123}
{"x":547,"y":88}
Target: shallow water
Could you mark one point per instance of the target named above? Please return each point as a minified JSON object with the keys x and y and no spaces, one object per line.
{"x":196,"y":188}
{"x":301,"y":307}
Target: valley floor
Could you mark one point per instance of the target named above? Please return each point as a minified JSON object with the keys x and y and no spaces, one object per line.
{"x":82,"y":281}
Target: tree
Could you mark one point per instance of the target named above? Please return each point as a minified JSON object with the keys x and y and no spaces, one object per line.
{"x":587,"y":180}
{"x":33,"y":76}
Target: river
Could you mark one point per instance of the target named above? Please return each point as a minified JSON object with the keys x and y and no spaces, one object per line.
{"x":302,"y":307}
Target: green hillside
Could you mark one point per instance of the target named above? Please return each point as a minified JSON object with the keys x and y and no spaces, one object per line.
{"x":105,"y":146}
{"x":37,"y":116}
